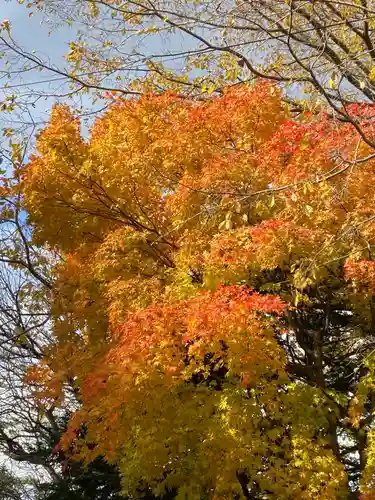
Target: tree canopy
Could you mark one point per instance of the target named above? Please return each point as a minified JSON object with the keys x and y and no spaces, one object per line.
{"x":214,"y":305}
{"x":190,"y":285}
{"x":320,"y":52}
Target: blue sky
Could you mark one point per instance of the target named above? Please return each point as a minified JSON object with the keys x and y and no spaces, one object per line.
{"x":29,"y":31}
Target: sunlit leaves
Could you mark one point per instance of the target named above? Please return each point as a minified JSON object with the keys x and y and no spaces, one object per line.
{"x":191,"y":231}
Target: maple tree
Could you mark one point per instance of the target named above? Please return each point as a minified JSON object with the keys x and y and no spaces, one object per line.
{"x":214,"y":306}
{"x":187,"y":219}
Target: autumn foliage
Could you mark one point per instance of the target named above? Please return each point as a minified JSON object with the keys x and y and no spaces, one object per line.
{"x":198,"y":239}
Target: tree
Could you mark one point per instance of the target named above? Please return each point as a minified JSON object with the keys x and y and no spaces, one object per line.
{"x":24,"y":319}
{"x":11,"y":486}
{"x":29,"y":430}
{"x":215,"y":303}
{"x":99,"y":481}
{"x":320,"y":48}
